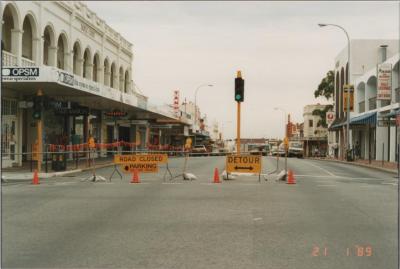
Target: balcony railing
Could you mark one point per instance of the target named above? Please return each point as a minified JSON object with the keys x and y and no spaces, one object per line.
{"x":361,"y":107}
{"x":9,"y":59}
{"x":27,"y":62}
{"x":372,"y":103}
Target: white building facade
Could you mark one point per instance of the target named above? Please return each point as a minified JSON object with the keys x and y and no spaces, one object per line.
{"x":370,"y":138}
{"x":83,"y":68}
{"x":314,"y":134}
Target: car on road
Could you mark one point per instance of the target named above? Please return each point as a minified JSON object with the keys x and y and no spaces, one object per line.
{"x":295,"y":149}
{"x":199,"y":150}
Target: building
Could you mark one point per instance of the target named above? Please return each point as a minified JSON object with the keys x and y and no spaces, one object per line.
{"x":372,"y":136}
{"x":294,"y":131}
{"x":84,"y":70}
{"x":315,"y":135}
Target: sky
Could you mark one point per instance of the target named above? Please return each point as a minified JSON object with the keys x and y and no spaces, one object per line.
{"x":278,"y":46}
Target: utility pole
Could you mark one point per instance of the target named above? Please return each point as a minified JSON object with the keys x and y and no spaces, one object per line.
{"x":40,"y":134}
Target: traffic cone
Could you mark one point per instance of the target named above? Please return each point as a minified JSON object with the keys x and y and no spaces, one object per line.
{"x":135,"y":176}
{"x":216,"y":176}
{"x":35,"y":180}
{"x":291,"y":179}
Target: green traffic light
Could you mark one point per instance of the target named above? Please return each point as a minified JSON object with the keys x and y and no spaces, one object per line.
{"x":238,"y":96}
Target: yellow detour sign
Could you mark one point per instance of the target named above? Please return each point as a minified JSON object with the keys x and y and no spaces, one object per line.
{"x":243,"y":163}
{"x":141,"y":158}
{"x":141,"y":167}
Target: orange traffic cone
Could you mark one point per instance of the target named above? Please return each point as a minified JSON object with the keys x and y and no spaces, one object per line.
{"x":35,"y":180}
{"x":216,"y":176}
{"x":135,"y":176}
{"x":291,"y":179}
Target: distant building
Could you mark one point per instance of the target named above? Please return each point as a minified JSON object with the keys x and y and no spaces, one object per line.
{"x":315,"y":135}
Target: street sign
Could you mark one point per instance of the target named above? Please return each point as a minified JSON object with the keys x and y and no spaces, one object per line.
{"x":141,"y":159}
{"x":141,"y":167}
{"x":386,"y":123}
{"x":286,"y":142}
{"x":346,"y":88}
{"x":330,"y":117}
{"x":384,"y":82}
{"x":91,"y":143}
{"x":243,"y":163}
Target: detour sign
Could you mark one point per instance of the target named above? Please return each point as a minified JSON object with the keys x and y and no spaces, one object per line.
{"x":143,"y":159}
{"x":243,"y":163}
{"x":141,"y":167}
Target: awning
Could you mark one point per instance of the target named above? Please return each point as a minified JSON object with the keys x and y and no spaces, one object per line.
{"x":392,"y":114}
{"x":368,"y":118}
{"x":337,"y":123}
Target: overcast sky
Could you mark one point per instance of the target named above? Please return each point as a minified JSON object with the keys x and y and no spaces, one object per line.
{"x":282,"y":52}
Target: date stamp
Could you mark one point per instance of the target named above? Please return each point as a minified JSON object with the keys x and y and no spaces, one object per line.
{"x":353,"y":251}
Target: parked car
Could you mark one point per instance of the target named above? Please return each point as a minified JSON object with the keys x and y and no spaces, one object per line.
{"x":199,"y":150}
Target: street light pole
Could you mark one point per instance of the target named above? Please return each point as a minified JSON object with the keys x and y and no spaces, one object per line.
{"x":195,"y":108}
{"x":285,"y":134}
{"x":348,"y":82}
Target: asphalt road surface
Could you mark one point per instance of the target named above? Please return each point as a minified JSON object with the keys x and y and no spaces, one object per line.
{"x":336,"y":216}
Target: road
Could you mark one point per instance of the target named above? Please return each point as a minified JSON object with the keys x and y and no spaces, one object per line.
{"x":336,"y":216}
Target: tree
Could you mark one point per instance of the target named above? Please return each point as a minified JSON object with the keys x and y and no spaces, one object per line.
{"x":322,"y":114}
{"x":326,"y":87}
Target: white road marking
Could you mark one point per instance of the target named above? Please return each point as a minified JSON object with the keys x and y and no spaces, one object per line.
{"x":172,"y":183}
{"x":323,"y":169}
{"x":256,"y":219}
{"x":326,"y":185}
{"x":387,"y":183}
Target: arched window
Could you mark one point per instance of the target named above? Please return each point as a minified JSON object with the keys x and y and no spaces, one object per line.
{"x":87,"y":64}
{"x":106,"y":72}
{"x":77,"y":65}
{"x":48,"y":42}
{"x":62,"y":48}
{"x":121,"y":79}
{"x":112,"y":76}
{"x":127,"y":81}
{"x":96,"y":65}
{"x":27,"y":39}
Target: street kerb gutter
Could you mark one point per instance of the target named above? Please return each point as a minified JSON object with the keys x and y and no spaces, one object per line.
{"x":356,"y":164}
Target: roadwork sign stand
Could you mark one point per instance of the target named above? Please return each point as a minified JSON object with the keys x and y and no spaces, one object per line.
{"x":93,"y":177}
{"x":169,"y":172}
{"x":244,"y":164}
{"x":115,"y":170}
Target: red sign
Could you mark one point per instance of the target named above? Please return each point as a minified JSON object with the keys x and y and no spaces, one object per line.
{"x":116,"y":113}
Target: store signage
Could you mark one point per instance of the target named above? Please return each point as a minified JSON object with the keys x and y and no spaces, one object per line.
{"x":243,"y":163}
{"x":20,"y":73}
{"x":348,"y":88}
{"x":116,"y":113}
{"x":330,"y":117}
{"x":384,"y":84}
{"x":65,"y":78}
{"x":138,"y":122}
{"x":77,"y":111}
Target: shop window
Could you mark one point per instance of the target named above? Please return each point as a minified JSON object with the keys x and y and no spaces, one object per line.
{"x":310,"y":123}
{"x":8,"y":107}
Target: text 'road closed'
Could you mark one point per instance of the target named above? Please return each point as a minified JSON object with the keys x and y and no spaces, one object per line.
{"x":243,"y":163}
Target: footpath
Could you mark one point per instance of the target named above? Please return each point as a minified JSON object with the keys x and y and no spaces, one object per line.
{"x":389,"y":167}
{"x":24,"y":173}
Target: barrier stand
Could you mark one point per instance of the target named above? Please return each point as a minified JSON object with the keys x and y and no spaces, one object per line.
{"x":116,"y":170}
{"x":169,"y":171}
{"x":94,"y":177}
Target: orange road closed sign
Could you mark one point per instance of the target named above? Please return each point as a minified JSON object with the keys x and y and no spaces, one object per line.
{"x":141,"y":158}
{"x":243,"y":163}
{"x":141,"y":167}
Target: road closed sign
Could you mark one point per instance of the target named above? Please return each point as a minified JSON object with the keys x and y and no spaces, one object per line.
{"x":243,"y":163}
{"x":141,"y":167}
{"x":141,"y":158}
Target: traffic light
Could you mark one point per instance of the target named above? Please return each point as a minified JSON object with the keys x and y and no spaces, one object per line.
{"x":37,"y":107}
{"x":239,"y":88}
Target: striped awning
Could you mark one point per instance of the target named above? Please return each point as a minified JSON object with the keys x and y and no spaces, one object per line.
{"x":337,"y":123}
{"x":368,"y":118}
{"x":392,"y":114}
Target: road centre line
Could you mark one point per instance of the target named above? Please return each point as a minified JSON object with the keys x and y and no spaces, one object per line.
{"x":323,"y":169}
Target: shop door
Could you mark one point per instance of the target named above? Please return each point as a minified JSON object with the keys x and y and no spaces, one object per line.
{"x":8,"y":139}
{"x":124,"y":136}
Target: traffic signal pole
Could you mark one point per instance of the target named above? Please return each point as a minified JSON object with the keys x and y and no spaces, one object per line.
{"x":238,"y":129}
{"x":39,"y":138}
